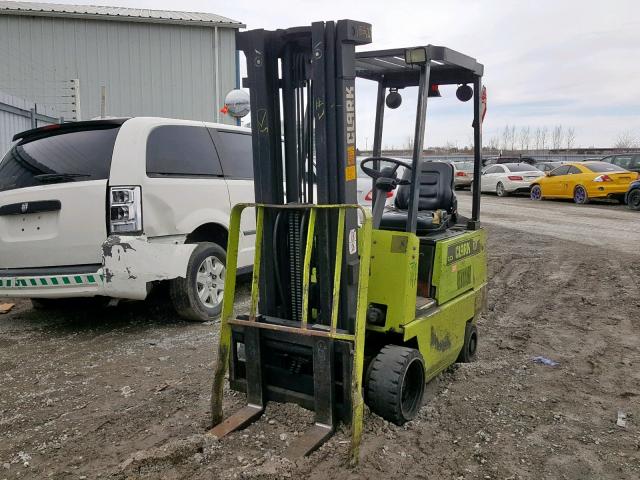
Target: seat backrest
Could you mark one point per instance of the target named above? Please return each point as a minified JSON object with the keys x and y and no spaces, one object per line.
{"x":436,"y":188}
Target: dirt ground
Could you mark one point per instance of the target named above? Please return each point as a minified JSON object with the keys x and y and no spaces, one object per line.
{"x":124,"y":392}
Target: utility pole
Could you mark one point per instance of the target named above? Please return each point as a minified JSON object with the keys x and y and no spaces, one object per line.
{"x":103,"y":101}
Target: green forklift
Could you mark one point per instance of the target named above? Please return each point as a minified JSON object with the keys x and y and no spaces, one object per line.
{"x":348,"y":305}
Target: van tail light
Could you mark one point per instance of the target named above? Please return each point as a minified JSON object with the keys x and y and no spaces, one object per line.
{"x":515,"y":177}
{"x":125,"y":210}
{"x":369,"y":196}
{"x":603,"y":178}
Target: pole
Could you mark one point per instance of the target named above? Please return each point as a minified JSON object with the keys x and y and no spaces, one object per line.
{"x":103,"y":101}
{"x":421,"y":113}
{"x":474,"y":223}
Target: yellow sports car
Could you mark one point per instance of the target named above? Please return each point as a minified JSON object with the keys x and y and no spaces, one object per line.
{"x":583,"y":181}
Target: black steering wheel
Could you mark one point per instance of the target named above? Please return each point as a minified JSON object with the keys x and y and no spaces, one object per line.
{"x":375,"y":174}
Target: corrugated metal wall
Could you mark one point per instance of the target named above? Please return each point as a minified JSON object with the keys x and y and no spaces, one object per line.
{"x":148,"y":69}
{"x":12,"y":123}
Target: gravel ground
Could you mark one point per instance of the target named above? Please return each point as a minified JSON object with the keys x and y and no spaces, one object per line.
{"x":124,"y":392}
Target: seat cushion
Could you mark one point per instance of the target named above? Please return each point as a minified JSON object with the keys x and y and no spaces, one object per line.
{"x":397,"y":221}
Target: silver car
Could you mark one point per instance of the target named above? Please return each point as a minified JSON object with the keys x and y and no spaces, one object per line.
{"x":463,"y":174}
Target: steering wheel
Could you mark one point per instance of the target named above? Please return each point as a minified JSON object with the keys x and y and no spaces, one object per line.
{"x":375,"y":174}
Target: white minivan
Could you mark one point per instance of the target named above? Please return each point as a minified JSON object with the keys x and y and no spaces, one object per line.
{"x":110,"y":208}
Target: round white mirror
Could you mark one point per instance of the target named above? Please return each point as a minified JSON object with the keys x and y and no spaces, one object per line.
{"x":237,"y":103}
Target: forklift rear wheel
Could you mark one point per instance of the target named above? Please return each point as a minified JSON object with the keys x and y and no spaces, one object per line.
{"x":470,"y":346}
{"x":395,"y":383}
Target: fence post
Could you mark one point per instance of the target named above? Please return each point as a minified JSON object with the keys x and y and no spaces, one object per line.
{"x":32,"y":116}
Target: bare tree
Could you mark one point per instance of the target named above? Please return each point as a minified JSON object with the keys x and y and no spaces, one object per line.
{"x":570,"y":137}
{"x":525,"y":138}
{"x":506,"y":135}
{"x":626,"y":140}
{"x":512,"y":138}
{"x":538,"y":138}
{"x":543,"y":138}
{"x":409,"y":143}
{"x":494,"y":143}
{"x":557,"y":136}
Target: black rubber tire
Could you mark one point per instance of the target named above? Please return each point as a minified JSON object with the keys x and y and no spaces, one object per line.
{"x":500,"y":191}
{"x":633,"y":200}
{"x":183,"y":291}
{"x":470,"y":345}
{"x":577,"y":199}
{"x":396,"y":372}
{"x":536,"y":193}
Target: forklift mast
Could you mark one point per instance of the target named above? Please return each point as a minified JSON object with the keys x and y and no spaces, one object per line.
{"x":302,"y":80}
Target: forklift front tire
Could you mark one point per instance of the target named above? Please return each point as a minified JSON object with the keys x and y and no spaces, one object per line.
{"x":470,"y":346}
{"x":395,"y":384}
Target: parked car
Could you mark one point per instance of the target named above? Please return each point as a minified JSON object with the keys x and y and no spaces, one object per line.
{"x":507,"y":178}
{"x":365,"y":186}
{"x":111,"y":208}
{"x":628,"y":161}
{"x":463,"y":174}
{"x":632,"y":197}
{"x":583,"y":181}
{"x":500,"y":160}
{"x":547,"y":166}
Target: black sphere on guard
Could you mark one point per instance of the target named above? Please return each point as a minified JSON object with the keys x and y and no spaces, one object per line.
{"x":464,"y":93}
{"x":394,"y":99}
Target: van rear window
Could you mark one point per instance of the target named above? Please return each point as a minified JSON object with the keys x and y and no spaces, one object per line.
{"x":59,"y":157}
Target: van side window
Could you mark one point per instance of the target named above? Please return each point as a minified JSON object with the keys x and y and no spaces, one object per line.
{"x":235,"y":151}
{"x":181,"y":150}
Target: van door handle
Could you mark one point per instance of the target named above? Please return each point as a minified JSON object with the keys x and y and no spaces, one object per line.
{"x":24,"y":208}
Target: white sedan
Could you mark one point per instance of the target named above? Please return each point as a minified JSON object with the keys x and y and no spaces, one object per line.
{"x":506,"y":178}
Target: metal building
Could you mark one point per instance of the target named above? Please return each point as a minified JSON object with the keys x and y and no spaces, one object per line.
{"x":150,"y":62}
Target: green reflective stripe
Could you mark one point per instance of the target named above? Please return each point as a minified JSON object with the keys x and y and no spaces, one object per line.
{"x":92,"y":279}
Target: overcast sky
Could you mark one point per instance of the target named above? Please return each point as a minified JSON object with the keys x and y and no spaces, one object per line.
{"x":574,"y":63}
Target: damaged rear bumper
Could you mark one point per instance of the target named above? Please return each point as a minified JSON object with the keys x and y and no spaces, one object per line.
{"x":129,"y":265}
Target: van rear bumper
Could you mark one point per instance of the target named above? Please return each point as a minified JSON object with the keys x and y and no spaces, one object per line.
{"x":129,"y":265}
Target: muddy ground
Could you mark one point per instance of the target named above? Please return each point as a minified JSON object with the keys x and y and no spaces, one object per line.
{"x":124,"y":392}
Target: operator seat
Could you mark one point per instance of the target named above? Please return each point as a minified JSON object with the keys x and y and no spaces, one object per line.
{"x":436,"y":193}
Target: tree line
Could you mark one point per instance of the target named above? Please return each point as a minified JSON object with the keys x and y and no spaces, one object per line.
{"x":539,"y":138}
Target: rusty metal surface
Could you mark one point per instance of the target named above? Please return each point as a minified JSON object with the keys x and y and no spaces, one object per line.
{"x":237,"y":421}
{"x":309,"y":442}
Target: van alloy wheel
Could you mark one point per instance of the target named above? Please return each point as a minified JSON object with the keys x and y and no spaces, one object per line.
{"x":210,"y":281}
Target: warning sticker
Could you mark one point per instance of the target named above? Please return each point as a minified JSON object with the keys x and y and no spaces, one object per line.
{"x":353,"y":241}
{"x":351,"y":155}
{"x":350,"y":173}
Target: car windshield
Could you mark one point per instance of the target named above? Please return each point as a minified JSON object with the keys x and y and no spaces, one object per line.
{"x":59,"y":157}
{"x":600,"y":167}
{"x":520,"y":167}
